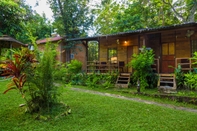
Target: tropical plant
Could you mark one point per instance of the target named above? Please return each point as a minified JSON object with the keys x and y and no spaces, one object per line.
{"x":74,"y":66}
{"x":141,"y":63}
{"x":78,"y":79}
{"x":60,"y":71}
{"x":191,"y":77}
{"x":34,"y":79}
{"x":22,"y":61}
{"x":179,"y":76}
{"x":96,"y":80}
{"x":41,"y":90}
{"x":108,"y":80}
{"x":190,"y":80}
{"x":93,"y":80}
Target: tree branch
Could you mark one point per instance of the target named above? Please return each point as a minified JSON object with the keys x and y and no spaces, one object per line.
{"x":176,"y":13}
{"x":192,"y":12}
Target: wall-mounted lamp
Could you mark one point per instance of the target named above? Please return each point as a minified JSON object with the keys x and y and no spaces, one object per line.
{"x":125,"y":41}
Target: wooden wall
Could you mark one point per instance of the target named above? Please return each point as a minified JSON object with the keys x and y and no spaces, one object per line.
{"x":182,"y":44}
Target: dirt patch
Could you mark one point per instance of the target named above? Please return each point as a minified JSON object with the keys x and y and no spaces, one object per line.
{"x":136,"y":100}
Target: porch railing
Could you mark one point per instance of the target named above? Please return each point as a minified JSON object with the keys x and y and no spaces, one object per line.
{"x":185,"y":63}
{"x":105,"y":66}
{"x":155,"y":66}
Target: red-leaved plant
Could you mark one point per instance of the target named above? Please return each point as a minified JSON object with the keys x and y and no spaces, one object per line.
{"x":22,"y":60}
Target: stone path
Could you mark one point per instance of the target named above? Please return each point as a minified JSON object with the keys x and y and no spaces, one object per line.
{"x":136,"y":100}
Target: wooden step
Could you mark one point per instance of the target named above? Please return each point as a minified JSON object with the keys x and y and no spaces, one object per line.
{"x":123,"y":80}
{"x":167,"y":83}
{"x":166,"y":77}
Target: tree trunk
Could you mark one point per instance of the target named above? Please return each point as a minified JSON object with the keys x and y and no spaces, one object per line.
{"x":192,"y":13}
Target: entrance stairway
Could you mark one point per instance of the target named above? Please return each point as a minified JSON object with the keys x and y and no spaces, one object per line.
{"x":123,"y":80}
{"x":167,"y":83}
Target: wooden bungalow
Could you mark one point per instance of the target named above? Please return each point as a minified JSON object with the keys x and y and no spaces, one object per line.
{"x":172,"y":45}
{"x":59,"y":42}
{"x":64,"y":54}
{"x":7,"y":42}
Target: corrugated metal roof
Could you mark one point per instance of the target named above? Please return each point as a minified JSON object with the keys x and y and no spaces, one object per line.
{"x":52,"y":39}
{"x":136,"y":31}
{"x":8,"y":38}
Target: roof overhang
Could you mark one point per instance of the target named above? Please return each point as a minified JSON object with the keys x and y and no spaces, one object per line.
{"x":10,"y":39}
{"x":133,"y":32}
{"x":52,"y":39}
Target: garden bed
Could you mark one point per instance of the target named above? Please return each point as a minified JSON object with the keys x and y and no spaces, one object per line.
{"x":184,"y":99}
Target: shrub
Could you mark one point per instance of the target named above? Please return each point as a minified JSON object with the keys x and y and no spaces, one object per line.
{"x":78,"y":79}
{"x":42,"y":92}
{"x":60,"y":71}
{"x":101,"y":80}
{"x":141,"y":64}
{"x":33,"y":80}
{"x":74,"y":67}
{"x":190,"y":80}
{"x":179,"y":76}
{"x":93,"y":80}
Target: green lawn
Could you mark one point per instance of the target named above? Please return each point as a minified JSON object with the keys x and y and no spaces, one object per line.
{"x":95,"y":113}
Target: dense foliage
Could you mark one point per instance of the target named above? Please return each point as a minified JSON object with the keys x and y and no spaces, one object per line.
{"x":141,"y":64}
{"x":136,"y":14}
{"x":11,"y":16}
{"x":190,"y":79}
{"x":16,"y":17}
{"x":71,"y":73}
{"x":72,"y":17}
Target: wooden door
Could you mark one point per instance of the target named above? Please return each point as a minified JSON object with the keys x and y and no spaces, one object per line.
{"x":168,"y":58}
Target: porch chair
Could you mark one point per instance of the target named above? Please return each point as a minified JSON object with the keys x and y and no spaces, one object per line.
{"x":121,"y":66}
{"x":103,"y":66}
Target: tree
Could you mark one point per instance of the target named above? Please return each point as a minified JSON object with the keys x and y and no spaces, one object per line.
{"x":72,"y":17}
{"x":113,"y":17}
{"x":105,"y":16}
{"x":184,"y":10}
{"x":11,"y":16}
{"x":39,"y":26}
{"x":16,"y":17}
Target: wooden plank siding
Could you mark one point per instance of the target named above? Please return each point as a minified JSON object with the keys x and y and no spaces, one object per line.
{"x":123,"y":48}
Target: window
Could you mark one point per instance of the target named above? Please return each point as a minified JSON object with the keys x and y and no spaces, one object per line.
{"x":93,"y":51}
{"x":135,"y":49}
{"x":194,"y":46}
{"x":112,"y":54}
{"x":168,"y":49}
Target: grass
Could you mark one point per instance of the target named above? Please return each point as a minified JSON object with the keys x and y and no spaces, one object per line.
{"x":94,"y":113}
{"x":131,"y":92}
